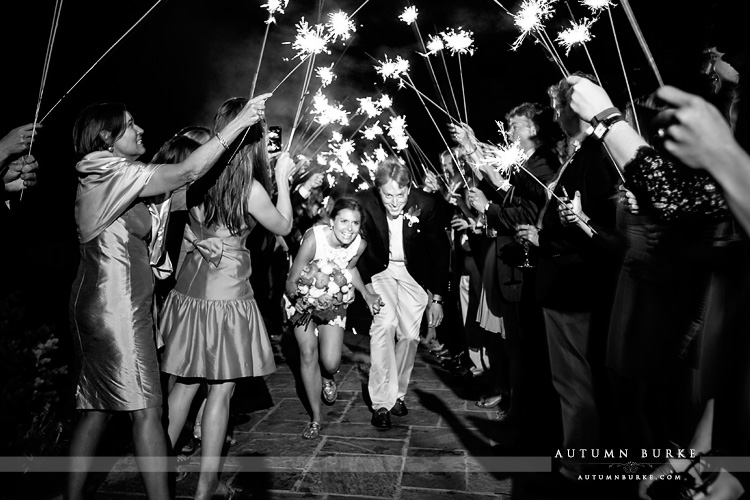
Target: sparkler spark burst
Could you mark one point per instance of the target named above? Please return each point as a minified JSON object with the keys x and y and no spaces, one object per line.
{"x":385,"y":101}
{"x":458,"y":41}
{"x":340,"y":26}
{"x":530,"y":16}
{"x":371,"y":132}
{"x":409,"y":15}
{"x":368,"y":107}
{"x":392,"y":68}
{"x":434,"y":45}
{"x":274,"y":7}
{"x":597,"y":6}
{"x":505,"y":159}
{"x":326,"y":113}
{"x":310,"y":40}
{"x":325,"y":74}
{"x":380,"y":153}
{"x":578,"y":33}
{"x":371,"y":163}
{"x":397,"y":131}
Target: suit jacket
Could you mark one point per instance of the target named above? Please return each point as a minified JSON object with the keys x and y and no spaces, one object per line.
{"x":527,"y":196}
{"x":426,"y":243}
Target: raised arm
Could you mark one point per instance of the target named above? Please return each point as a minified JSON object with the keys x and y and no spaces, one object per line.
{"x":277,"y":219}
{"x":166,"y":180}
{"x":672,"y":190}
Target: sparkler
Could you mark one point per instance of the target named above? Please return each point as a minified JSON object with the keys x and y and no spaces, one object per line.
{"x":371,"y":132}
{"x":340,"y":25}
{"x":100,"y":59}
{"x":273,"y":7}
{"x":409,"y":15}
{"x":530,"y":20}
{"x":460,"y":42}
{"x":397,"y":132}
{"x":45,"y":71}
{"x":326,"y":75}
{"x":578,"y":34}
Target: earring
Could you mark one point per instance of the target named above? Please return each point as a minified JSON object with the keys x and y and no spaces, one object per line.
{"x":111,"y":149}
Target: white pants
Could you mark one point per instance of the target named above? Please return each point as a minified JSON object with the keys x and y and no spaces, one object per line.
{"x":394,"y":334}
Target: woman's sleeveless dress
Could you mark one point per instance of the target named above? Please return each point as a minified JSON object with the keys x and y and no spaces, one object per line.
{"x":211,"y":324}
{"x":339,"y":256}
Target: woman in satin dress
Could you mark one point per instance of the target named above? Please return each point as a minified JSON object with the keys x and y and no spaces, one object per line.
{"x":212,"y":327}
{"x":121,"y":240}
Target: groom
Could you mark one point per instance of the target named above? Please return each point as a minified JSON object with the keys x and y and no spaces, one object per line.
{"x":407,"y":256}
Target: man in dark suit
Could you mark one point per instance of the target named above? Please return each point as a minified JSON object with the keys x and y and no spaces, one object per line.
{"x":407,"y":256}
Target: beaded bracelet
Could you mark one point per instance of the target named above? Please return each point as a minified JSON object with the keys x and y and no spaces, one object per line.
{"x":222,"y":141}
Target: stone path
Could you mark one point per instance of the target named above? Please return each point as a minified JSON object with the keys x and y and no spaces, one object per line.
{"x":442,"y":449}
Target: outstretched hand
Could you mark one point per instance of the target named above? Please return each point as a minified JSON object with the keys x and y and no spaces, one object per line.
{"x":17,"y":140}
{"x":697,"y":133}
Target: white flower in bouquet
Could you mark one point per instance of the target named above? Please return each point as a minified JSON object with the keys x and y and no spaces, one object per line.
{"x":316,"y":292}
{"x":344,"y":288}
{"x":326,"y":268}
{"x":333,"y":288}
{"x":303,"y":289}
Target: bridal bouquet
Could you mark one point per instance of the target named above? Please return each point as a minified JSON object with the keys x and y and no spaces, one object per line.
{"x":323,"y":291}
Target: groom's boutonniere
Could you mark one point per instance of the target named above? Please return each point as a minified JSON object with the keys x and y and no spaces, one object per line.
{"x":412,"y":216}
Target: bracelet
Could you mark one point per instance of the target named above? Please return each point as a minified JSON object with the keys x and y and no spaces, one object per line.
{"x":604,"y":115}
{"x":603,"y":127}
{"x":222,"y":141}
{"x":487,"y":207}
{"x":437,"y":301}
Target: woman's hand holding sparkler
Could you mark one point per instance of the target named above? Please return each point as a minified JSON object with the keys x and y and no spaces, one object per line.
{"x":284,"y":169}
{"x":587,"y":99}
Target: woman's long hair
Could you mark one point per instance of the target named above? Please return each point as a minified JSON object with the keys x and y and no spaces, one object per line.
{"x":225,"y":201}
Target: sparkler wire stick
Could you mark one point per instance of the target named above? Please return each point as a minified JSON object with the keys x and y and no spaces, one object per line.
{"x":551,"y":47}
{"x":585,"y":47}
{"x":100,"y":59}
{"x":450,"y":84}
{"x":552,"y":193}
{"x":358,"y":9}
{"x":421,"y":95}
{"x":433,"y":75}
{"x":305,"y":58}
{"x":260,"y":59}
{"x":463,"y":88}
{"x":438,"y":129}
{"x":625,"y":74}
{"x":45,"y":69}
{"x":305,"y":86}
{"x":642,"y":41}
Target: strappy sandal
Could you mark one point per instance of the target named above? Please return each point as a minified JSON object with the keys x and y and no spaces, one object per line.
{"x":227,"y":493}
{"x":312,"y":430}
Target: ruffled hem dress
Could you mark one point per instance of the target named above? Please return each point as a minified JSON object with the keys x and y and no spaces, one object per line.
{"x":210,"y":322}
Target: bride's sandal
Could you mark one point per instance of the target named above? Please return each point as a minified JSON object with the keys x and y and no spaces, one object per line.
{"x":311,"y":431}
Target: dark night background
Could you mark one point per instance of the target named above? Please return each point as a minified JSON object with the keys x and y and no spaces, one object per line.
{"x":188,"y":56}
